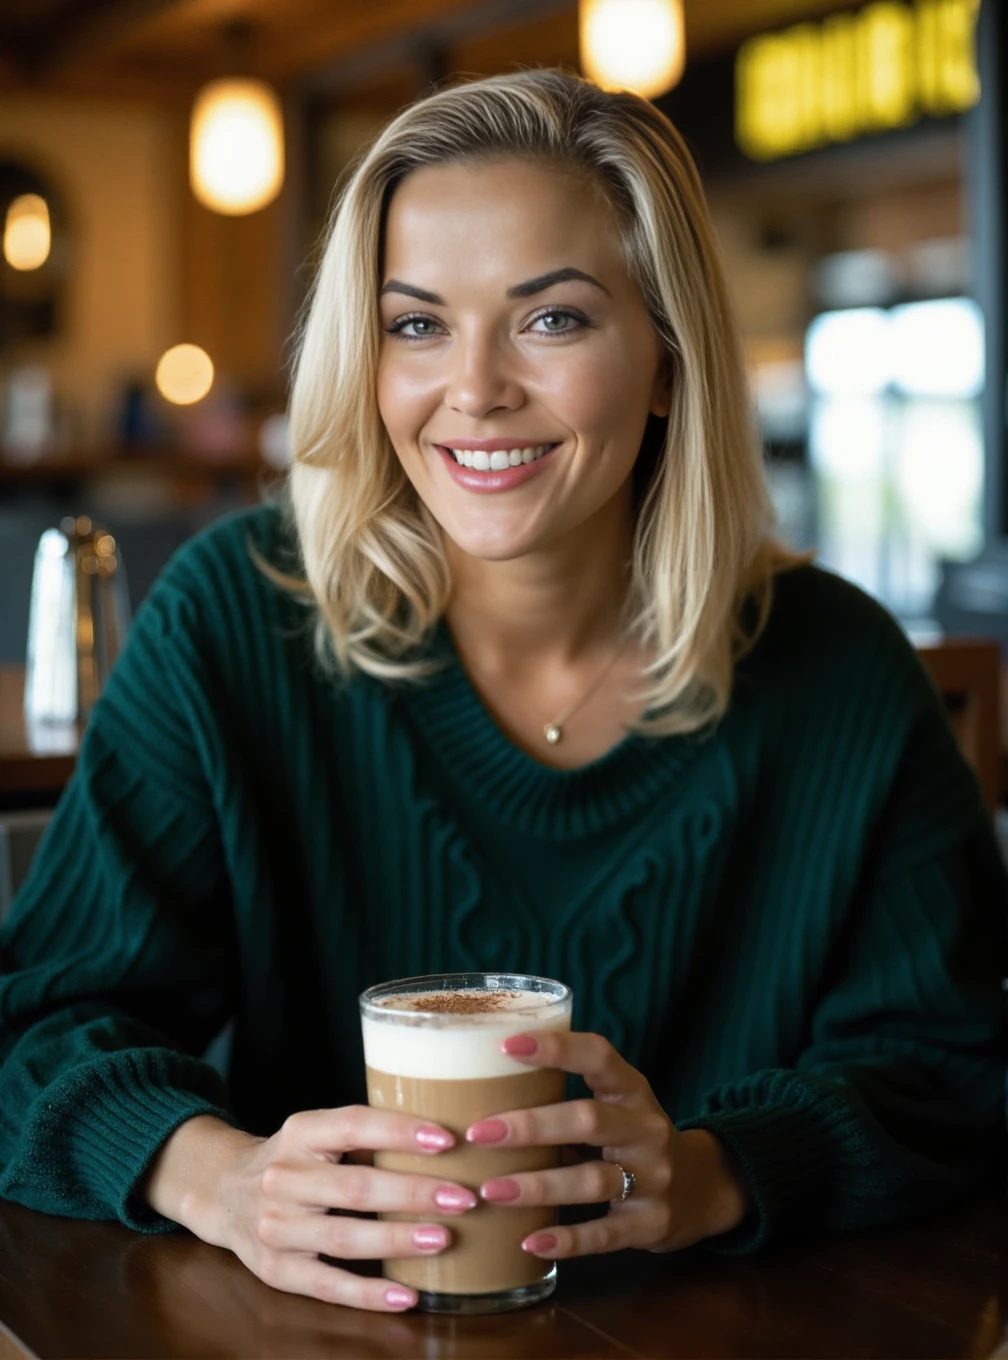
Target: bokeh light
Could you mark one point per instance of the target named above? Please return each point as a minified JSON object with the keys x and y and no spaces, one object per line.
{"x":27,"y":234}
{"x":184,"y":374}
{"x":236,"y":146}
{"x":637,"y":45}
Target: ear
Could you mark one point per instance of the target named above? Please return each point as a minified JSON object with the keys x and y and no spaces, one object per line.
{"x":661,"y":391}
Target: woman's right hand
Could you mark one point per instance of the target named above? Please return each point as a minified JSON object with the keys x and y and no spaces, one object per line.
{"x":268,"y":1200}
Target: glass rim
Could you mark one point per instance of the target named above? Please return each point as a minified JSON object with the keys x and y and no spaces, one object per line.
{"x":549,"y":994}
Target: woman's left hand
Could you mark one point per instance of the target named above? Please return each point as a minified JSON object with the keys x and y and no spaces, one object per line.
{"x":685,"y":1188}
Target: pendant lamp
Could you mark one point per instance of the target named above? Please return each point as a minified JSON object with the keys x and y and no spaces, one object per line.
{"x":637,"y":45}
{"x":236,"y":146}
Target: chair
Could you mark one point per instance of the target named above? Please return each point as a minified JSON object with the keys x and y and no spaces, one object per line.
{"x":967,"y":674}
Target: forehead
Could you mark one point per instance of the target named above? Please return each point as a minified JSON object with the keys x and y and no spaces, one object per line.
{"x":501,"y":219}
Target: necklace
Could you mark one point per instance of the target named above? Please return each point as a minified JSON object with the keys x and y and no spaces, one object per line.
{"x":553,"y":731}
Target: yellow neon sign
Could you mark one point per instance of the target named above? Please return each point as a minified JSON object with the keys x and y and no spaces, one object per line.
{"x":880,"y":68}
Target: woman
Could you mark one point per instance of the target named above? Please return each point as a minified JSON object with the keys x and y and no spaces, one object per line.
{"x":571,"y":710}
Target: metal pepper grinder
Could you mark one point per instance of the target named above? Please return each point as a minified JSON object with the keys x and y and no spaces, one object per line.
{"x":77,"y":622}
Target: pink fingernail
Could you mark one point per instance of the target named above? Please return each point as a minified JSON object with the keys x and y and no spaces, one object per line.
{"x":500,"y":1192}
{"x":539,"y":1242}
{"x":447,"y":1197}
{"x":487,"y":1131}
{"x":430,"y":1239}
{"x":400,"y":1298}
{"x":520,"y":1045}
{"x":436,"y":1139}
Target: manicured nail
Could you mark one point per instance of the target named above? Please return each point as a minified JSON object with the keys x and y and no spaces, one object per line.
{"x":519,"y":1045}
{"x":451,"y":1197}
{"x":430,"y":1239}
{"x":434,"y":1139}
{"x":539,"y":1242}
{"x":499,"y":1192}
{"x":400,"y":1298}
{"x":486,"y":1131}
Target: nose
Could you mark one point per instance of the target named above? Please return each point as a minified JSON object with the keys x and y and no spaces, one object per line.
{"x":479,"y":380}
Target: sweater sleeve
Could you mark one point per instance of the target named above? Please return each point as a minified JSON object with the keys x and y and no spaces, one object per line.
{"x":895,"y":1106}
{"x":117,"y":960}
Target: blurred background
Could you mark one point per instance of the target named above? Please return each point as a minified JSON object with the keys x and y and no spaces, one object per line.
{"x":166,"y":167}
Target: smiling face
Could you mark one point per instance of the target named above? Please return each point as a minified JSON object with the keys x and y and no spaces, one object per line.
{"x":514,"y":340}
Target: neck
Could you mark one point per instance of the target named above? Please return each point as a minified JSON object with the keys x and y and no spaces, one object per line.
{"x":561,"y":604}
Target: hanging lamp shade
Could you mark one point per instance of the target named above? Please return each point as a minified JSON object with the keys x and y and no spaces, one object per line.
{"x":236,"y":146}
{"x":637,"y":45}
{"x":27,"y":236}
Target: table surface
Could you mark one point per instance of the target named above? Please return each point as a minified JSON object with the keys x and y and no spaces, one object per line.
{"x":31,"y":762}
{"x":934,"y":1289}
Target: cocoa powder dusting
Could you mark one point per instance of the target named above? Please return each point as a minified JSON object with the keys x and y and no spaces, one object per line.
{"x":454,"y":1003}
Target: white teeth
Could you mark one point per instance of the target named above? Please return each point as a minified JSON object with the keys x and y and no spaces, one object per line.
{"x":500,"y":458}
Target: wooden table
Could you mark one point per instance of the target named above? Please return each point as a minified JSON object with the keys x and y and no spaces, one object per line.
{"x":33,"y":763}
{"x":937,"y":1289}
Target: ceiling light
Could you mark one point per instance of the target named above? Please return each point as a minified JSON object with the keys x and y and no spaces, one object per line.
{"x":637,"y":45}
{"x":27,"y":236}
{"x":236,"y":146}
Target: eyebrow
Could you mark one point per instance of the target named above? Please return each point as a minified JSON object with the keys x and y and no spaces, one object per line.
{"x":521,"y":290}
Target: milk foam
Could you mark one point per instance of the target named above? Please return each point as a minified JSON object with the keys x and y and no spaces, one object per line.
{"x":457,"y":1047}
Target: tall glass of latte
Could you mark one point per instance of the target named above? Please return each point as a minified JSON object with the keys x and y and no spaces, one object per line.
{"x":432,"y":1049}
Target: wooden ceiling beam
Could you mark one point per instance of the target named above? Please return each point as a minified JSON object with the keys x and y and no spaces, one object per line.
{"x":86,"y":28}
{"x":411,"y":42}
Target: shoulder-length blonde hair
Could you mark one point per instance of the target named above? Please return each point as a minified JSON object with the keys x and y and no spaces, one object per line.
{"x":702,"y":546}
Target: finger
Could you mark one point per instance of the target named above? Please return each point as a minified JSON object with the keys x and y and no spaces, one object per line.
{"x":611,"y":1233}
{"x":575,"y":1121}
{"x":306,"y":1275}
{"x":590,"y":1183}
{"x":359,"y":1126}
{"x":346,"y":1238}
{"x":364,"y":1189}
{"x":589,"y":1055}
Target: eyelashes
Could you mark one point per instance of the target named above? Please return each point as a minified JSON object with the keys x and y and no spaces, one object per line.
{"x":398,"y":328}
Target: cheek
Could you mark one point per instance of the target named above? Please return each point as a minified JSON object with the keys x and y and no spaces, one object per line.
{"x":604,"y":394}
{"x":405,"y":396}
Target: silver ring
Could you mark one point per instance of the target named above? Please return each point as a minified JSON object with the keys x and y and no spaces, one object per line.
{"x":628,"y":1184}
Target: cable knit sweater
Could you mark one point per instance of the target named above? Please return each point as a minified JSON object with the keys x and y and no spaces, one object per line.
{"x":792,"y":923}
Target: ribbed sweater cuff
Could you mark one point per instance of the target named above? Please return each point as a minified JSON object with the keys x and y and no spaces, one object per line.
{"x":787,"y":1161}
{"x":124,"y":1123}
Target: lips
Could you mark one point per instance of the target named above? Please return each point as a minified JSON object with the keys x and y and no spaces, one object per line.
{"x":492,"y":480}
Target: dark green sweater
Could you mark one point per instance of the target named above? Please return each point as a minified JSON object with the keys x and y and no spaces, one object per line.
{"x":794,"y":925}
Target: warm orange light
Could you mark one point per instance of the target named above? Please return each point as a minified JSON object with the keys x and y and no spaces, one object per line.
{"x":184,"y":374}
{"x":27,"y":236}
{"x":637,"y":45}
{"x":236,"y":146}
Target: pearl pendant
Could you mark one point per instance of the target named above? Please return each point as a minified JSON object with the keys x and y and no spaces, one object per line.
{"x":552,"y":733}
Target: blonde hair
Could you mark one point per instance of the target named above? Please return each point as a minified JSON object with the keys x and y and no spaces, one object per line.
{"x":702,"y":546}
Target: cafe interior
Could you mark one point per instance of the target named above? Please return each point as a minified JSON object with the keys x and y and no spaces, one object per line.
{"x":166,"y":172}
{"x":167,"y":168}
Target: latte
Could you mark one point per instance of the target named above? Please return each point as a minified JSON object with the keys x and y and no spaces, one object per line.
{"x":434,"y":1052}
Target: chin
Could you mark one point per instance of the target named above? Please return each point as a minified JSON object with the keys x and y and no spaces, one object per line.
{"x":490,"y":547}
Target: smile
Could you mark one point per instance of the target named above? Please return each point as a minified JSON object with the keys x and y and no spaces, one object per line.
{"x":500,"y":458}
{"x":497,"y":469}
